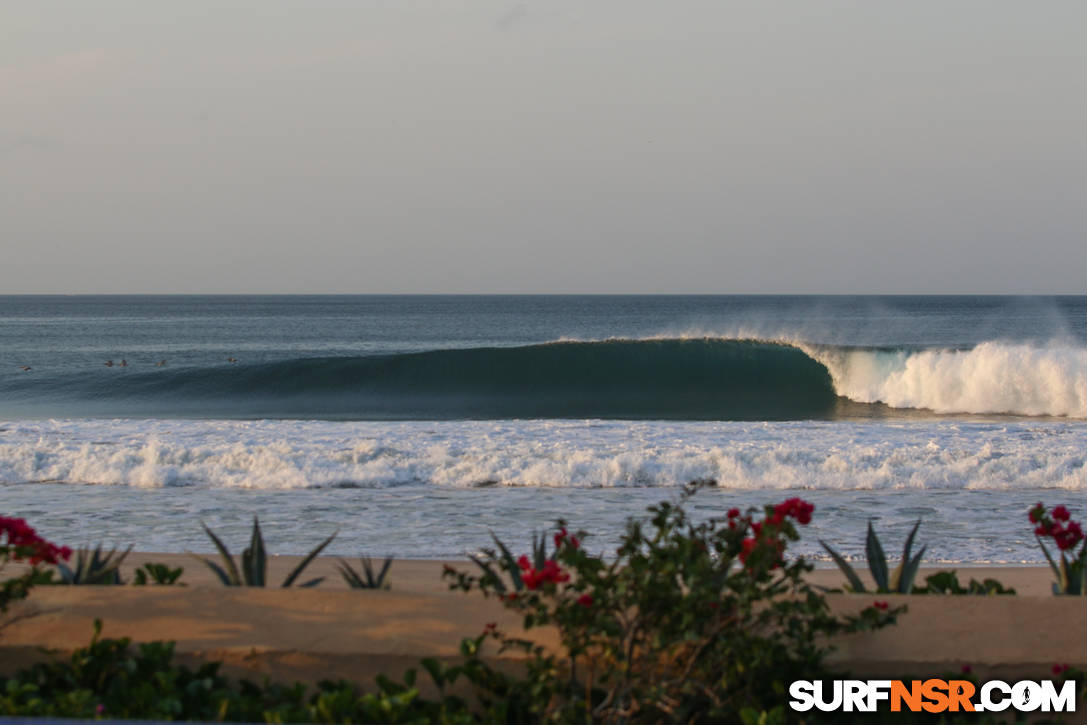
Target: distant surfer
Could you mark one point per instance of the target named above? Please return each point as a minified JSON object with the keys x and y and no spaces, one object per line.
{"x":25,"y":368}
{"x":124,"y":363}
{"x":232,"y":359}
{"x":109,"y":363}
{"x":160,"y":364}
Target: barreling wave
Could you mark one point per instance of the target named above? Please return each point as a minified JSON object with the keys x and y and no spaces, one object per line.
{"x":677,"y":379}
{"x":682,"y":379}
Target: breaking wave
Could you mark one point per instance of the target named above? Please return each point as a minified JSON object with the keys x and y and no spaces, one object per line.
{"x":681,"y":379}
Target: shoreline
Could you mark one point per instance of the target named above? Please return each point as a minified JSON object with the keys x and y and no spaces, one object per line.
{"x":424,"y":575}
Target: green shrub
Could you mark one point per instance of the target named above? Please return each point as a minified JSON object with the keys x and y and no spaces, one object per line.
{"x":155,"y":573}
{"x":947,"y":582}
{"x":688,"y":621}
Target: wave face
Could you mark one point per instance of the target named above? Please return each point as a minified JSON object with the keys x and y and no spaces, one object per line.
{"x":703,"y":378}
{"x":666,"y":379}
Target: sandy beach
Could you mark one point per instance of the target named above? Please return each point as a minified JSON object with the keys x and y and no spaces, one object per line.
{"x":331,"y":631}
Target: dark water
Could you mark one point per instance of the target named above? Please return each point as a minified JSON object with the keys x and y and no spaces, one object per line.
{"x":448,"y":357}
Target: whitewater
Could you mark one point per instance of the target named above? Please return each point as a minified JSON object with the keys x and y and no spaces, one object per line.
{"x":993,"y":377}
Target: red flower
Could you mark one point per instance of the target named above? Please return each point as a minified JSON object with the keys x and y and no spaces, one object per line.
{"x":967,"y":669}
{"x":733,"y":513}
{"x":748,"y":546}
{"x":490,"y":627}
{"x":561,"y":536}
{"x":1067,"y":537}
{"x":882,"y":606}
{"x":23,"y":542}
{"x":1037,"y":513}
{"x":1060,"y":513}
{"x":533,"y":577}
{"x":585,"y":600}
{"x":1059,"y":668}
{"x":797,"y":508}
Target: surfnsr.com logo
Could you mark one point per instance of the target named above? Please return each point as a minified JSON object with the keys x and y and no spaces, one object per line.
{"x":932,"y":695}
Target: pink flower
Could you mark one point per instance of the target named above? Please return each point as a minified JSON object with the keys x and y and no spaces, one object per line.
{"x":882,"y":606}
{"x":585,"y":600}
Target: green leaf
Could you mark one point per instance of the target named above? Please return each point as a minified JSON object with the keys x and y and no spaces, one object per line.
{"x":254,"y":559}
{"x":909,"y":572}
{"x":1052,"y":564}
{"x":232,"y":568}
{"x":223,"y":577}
{"x":850,"y":574}
{"x":510,"y":564}
{"x":309,"y":557}
{"x":350,"y":576}
{"x":877,"y":560}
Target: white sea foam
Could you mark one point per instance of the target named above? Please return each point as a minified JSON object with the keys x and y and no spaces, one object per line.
{"x":992,"y":377}
{"x":302,"y":454}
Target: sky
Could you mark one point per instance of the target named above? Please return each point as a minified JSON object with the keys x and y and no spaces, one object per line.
{"x":563,"y":146}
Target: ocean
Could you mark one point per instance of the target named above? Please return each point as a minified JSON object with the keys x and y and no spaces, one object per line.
{"x":414,"y":425}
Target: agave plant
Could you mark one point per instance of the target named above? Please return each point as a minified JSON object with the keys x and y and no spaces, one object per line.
{"x":254,"y":569}
{"x":368,"y":579}
{"x":157,"y":574}
{"x":509,"y":563}
{"x":900,"y":581}
{"x":93,"y":567}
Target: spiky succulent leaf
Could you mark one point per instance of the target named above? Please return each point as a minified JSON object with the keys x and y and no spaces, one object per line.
{"x":306,"y":562}
{"x":254,"y":558}
{"x":909,"y":572}
{"x":231,"y":568}
{"x":539,"y":550}
{"x":877,"y":560}
{"x":489,"y":573}
{"x":510,"y":564}
{"x":854,"y":580}
{"x":1049,"y":558}
{"x":218,"y":570}
{"x":350,"y":576}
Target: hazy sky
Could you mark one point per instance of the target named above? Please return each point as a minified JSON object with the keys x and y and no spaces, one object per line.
{"x":543,"y":146}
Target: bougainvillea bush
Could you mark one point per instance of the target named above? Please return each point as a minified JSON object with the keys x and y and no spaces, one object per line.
{"x":1070,"y":568}
{"x":20,"y":543}
{"x":684,"y":622}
